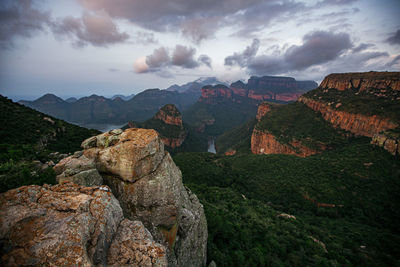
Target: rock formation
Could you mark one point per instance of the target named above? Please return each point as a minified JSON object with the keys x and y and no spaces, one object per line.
{"x":72,"y":225}
{"x":149,"y":187}
{"x":362,"y":81}
{"x":263,"y":109}
{"x":358,"y":124}
{"x":365,"y":104}
{"x":168,"y":123}
{"x":169,"y":114}
{"x":257,"y":89}
{"x":263,"y":142}
{"x":388,"y":141}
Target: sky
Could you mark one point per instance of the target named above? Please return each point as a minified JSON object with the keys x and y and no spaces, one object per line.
{"x":107,"y":47}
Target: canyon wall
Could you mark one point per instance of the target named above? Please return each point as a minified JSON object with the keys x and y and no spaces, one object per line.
{"x":263,"y":142}
{"x":258,"y":89}
{"x":263,"y":109}
{"x":362,"y":81}
{"x":357,"y":124}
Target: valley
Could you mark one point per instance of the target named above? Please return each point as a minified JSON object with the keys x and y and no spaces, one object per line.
{"x":307,"y":182}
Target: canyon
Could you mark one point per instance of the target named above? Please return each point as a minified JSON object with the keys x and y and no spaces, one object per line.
{"x":363,"y":104}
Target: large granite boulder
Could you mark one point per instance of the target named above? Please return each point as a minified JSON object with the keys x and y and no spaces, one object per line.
{"x":71,"y":225}
{"x":148,"y":185}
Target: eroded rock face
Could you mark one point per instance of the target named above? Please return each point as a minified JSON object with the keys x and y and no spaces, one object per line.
{"x":257,"y":89}
{"x":134,"y":242}
{"x":358,"y":124}
{"x":266,"y":143}
{"x":169,"y":114}
{"x":362,"y":80}
{"x":148,"y":185}
{"x":388,"y":142}
{"x":263,"y":109}
{"x":70,"y":225}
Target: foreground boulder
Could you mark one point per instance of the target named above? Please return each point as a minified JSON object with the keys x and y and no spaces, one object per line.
{"x":148,"y":185}
{"x":71,"y":225}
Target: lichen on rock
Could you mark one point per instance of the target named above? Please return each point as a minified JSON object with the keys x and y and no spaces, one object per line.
{"x":70,"y":225}
{"x":148,"y":185}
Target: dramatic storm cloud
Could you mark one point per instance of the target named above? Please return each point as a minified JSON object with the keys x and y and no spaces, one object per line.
{"x":20,"y":18}
{"x":199,"y":20}
{"x":160,"y":60}
{"x":242,"y":58}
{"x":95,"y":29}
{"x":395,"y":38}
{"x":317,"y":48}
{"x":125,"y":45}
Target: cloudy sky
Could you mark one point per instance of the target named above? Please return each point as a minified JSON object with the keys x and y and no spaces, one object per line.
{"x":80,"y":47}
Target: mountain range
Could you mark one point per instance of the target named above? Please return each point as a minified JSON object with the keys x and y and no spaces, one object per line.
{"x":101,"y":110}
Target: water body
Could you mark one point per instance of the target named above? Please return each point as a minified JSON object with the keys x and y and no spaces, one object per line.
{"x":101,"y":127}
{"x":211,"y":146}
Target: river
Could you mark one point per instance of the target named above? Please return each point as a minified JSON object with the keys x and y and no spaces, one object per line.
{"x":211,"y":146}
{"x":101,"y":127}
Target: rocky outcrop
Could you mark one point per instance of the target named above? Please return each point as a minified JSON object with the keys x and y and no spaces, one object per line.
{"x":358,"y":124}
{"x":168,"y":123}
{"x":212,"y":94}
{"x":388,"y":142}
{"x":71,"y":225}
{"x":149,"y":187}
{"x":230,"y":152}
{"x":263,"y":109}
{"x":169,"y":114}
{"x":266,"y":143}
{"x":257,"y":89}
{"x":362,"y":81}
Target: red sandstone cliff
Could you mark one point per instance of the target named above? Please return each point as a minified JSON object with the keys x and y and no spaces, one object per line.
{"x":358,"y":124}
{"x":266,"y":143}
{"x":263,"y":109}
{"x":362,"y":80}
{"x":258,"y":89}
{"x":171,"y":129}
{"x":169,"y":114}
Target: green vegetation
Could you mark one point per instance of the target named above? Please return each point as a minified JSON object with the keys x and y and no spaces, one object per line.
{"x":166,"y":130}
{"x":27,"y":135}
{"x":238,"y":139}
{"x":219,"y":118}
{"x":380,"y":102}
{"x":297,"y":121}
{"x":244,"y":194}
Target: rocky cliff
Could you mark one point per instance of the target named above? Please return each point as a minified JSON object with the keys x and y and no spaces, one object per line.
{"x":258,"y":89}
{"x":358,"y":124}
{"x":169,"y":114}
{"x":263,"y":142}
{"x":168,"y":123}
{"x":71,"y":225}
{"x":389,"y":140}
{"x":149,"y":187}
{"x":263,"y":109}
{"x":365,"y":104}
{"x":362,"y":81}
{"x":293,"y":129}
